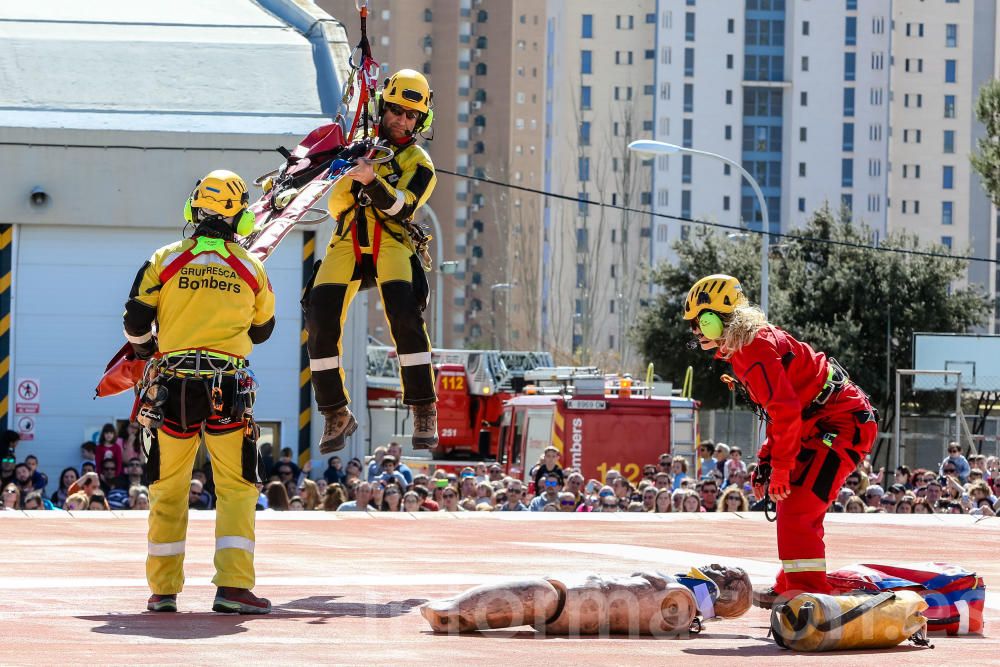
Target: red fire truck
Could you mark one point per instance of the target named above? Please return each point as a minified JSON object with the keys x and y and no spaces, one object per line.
{"x":472,"y":386}
{"x":597,"y":423}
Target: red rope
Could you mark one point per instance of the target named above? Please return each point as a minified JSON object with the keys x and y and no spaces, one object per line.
{"x":368,"y":85}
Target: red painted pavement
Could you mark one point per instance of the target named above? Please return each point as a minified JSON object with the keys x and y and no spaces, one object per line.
{"x":346,"y":586}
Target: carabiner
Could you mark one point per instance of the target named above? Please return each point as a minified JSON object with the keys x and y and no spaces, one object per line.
{"x":217,"y":399}
{"x":350,"y":60}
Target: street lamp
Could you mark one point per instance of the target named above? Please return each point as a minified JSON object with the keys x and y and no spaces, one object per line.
{"x":493,"y":308}
{"x":650,"y":147}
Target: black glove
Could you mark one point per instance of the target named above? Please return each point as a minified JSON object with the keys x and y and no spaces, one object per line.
{"x":145,"y":351}
{"x":760,"y":478}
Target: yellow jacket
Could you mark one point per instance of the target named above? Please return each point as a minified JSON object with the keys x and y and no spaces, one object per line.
{"x":400,"y":187}
{"x":203,"y":293}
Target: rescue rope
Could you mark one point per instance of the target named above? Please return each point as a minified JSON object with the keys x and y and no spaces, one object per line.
{"x":368,"y":69}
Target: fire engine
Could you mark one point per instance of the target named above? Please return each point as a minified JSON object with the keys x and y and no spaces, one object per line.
{"x":598,"y":423}
{"x":510,"y":406}
{"x":472,"y":386}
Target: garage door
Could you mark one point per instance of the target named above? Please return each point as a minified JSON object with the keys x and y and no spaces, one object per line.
{"x":70,"y":287}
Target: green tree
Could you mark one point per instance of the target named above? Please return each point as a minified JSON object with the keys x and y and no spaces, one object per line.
{"x":986,"y":159}
{"x":844,"y":298}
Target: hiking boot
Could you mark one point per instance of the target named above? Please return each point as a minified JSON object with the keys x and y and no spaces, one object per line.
{"x":425,"y":426}
{"x":338,"y":424}
{"x":766,"y":597}
{"x":239,"y":601}
{"x":162,"y":603}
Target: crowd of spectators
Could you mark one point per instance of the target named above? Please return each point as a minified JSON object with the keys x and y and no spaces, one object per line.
{"x":111,"y":475}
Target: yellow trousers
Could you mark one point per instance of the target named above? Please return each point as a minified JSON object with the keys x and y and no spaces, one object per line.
{"x":168,"y":515}
{"x":337,"y":283}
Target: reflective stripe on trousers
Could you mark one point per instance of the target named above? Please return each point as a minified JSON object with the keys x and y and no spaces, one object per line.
{"x":166,"y":548}
{"x":234,"y":542}
{"x":804,"y":565}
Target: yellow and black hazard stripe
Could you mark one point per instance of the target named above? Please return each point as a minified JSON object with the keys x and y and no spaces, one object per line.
{"x":6,"y":236}
{"x":305,"y":376}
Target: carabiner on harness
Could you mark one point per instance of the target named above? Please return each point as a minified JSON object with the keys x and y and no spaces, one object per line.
{"x":216,"y":393}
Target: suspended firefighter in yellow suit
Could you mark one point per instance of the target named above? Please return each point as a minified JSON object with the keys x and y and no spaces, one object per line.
{"x":374,"y":245}
{"x":211,"y":303}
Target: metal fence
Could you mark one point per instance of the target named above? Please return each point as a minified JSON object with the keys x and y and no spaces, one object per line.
{"x":923,"y":439}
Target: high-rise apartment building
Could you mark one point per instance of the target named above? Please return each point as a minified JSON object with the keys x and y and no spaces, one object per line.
{"x":803,"y":94}
{"x":943,"y":51}
{"x":484,"y":62}
{"x":796,"y":92}
{"x":599,"y":91}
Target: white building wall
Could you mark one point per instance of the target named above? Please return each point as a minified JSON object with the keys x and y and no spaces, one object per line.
{"x":822,"y":83}
{"x":712,"y":112}
{"x":618,"y":28}
{"x":920,"y":40}
{"x":872,"y":133}
{"x":821,"y":78}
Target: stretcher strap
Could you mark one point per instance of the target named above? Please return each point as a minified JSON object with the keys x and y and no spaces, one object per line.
{"x":359,"y":218}
{"x":798,"y":622}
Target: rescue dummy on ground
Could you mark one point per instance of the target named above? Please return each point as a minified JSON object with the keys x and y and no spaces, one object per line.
{"x":643,"y":604}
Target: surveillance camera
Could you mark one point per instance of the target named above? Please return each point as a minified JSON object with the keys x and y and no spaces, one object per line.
{"x":39,"y":197}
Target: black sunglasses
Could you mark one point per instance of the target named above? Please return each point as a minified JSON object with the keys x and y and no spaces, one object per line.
{"x":411,"y":114}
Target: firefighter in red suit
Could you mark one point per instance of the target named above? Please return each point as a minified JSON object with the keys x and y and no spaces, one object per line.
{"x":819,"y":424}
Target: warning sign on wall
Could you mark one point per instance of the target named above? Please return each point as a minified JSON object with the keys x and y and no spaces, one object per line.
{"x":26,"y":427}
{"x":27,"y":399}
{"x":27,"y":390}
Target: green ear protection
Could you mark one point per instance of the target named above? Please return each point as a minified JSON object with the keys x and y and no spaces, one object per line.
{"x":423,"y":123}
{"x":711,"y":325}
{"x":245,"y":221}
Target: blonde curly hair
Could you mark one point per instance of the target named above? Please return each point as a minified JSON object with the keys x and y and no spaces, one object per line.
{"x":741,"y":326}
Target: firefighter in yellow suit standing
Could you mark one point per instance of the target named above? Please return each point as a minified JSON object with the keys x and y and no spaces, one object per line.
{"x":211,"y":302}
{"x":372,"y":245}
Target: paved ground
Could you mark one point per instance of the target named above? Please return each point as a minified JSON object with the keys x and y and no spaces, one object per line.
{"x":346,"y":586}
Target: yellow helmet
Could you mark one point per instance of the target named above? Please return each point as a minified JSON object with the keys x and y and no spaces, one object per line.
{"x":719,"y":293}
{"x":222,"y":192}
{"x":408,"y":88}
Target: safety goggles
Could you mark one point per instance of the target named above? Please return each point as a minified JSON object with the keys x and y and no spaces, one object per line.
{"x":395,"y":109}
